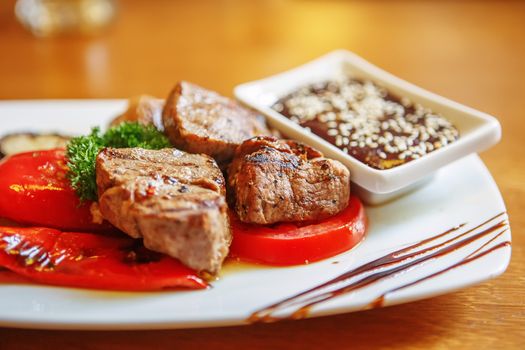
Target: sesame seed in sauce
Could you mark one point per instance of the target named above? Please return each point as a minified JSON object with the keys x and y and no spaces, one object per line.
{"x":367,"y":121}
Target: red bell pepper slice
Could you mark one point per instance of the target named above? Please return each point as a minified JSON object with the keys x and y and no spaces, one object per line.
{"x":88,"y":260}
{"x":34,"y":190}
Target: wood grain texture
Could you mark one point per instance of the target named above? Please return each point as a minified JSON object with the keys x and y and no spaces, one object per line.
{"x":472,"y":52}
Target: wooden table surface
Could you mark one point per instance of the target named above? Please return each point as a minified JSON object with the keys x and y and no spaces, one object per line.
{"x":472,"y":52}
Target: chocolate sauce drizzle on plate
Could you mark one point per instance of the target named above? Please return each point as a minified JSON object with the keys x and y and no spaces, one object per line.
{"x":392,"y":264}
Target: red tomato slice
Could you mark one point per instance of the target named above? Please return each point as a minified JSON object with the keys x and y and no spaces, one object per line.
{"x":34,"y":190}
{"x":292,"y":244}
{"x":90,"y":260}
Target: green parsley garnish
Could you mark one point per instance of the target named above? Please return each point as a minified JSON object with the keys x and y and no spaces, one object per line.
{"x":82,"y":152}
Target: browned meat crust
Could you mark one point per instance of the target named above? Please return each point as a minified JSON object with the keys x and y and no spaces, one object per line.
{"x":144,"y":109}
{"x":201,"y":121}
{"x":280,"y":180}
{"x":172,"y":199}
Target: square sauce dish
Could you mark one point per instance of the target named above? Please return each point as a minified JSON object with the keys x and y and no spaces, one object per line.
{"x":391,"y":134}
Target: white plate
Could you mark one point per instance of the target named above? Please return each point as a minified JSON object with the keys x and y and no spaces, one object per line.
{"x":464,"y":192}
{"x":478,"y":130}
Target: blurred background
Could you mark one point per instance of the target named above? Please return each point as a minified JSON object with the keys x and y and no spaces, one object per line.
{"x":129,"y":47}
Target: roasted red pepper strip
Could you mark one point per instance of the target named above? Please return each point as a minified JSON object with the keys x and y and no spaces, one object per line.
{"x":34,"y":190}
{"x":88,"y":260}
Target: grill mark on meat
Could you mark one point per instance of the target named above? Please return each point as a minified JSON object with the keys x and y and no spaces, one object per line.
{"x":266,"y":156}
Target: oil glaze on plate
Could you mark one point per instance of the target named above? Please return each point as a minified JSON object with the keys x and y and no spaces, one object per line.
{"x":450,"y":234}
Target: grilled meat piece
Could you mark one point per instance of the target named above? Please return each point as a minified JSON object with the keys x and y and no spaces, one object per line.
{"x":144,"y":109}
{"x":201,"y":121}
{"x":172,"y":199}
{"x":281,"y":180}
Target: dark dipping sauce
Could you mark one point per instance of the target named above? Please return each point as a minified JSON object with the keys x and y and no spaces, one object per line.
{"x":368,"y":122}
